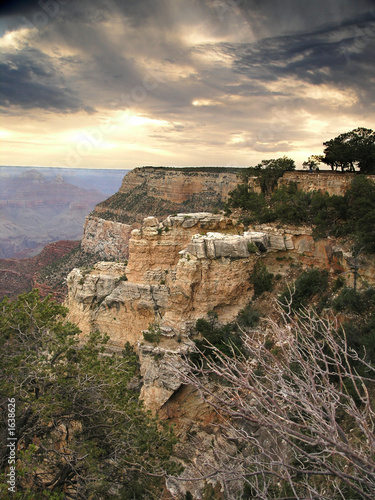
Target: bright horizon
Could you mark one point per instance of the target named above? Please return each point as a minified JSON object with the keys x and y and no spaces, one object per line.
{"x":180,"y":83}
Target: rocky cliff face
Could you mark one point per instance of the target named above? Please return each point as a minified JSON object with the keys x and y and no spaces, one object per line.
{"x":186,"y":265}
{"x":333,"y":183}
{"x":178,"y":184}
{"x":181,"y":268}
{"x":109,"y":239}
{"x":156,"y":191}
{"x":163,"y":191}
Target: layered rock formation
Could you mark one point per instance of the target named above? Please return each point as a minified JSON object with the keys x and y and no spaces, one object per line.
{"x":179,"y":184}
{"x":333,"y":183}
{"x":157,"y":191}
{"x":188,"y":264}
{"x":164,"y":191}
{"x":101,"y":299}
{"x":109,"y":239}
{"x":178,"y":270}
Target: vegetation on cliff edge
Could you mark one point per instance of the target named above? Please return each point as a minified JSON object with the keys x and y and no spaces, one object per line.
{"x":351,"y":215}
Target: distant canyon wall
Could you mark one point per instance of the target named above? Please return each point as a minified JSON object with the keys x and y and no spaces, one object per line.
{"x":333,"y":183}
{"x":177,"y":185}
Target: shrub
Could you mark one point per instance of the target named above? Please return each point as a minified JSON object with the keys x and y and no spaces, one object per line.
{"x":244,"y":197}
{"x":290,"y":205}
{"x":224,"y":338}
{"x":352,"y":301}
{"x":339,"y":283}
{"x":360,"y":202}
{"x":261,"y":279}
{"x":153,"y":334}
{"x":248,"y":317}
{"x":308,"y":284}
{"x":252,"y":248}
{"x":360,"y":336}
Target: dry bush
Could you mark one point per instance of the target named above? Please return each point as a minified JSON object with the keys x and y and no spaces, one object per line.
{"x":300,"y":415}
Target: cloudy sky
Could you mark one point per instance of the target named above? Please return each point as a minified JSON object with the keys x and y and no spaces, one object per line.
{"x":126,"y":83}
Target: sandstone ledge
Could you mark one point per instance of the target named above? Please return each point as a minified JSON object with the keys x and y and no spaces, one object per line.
{"x":178,"y":270}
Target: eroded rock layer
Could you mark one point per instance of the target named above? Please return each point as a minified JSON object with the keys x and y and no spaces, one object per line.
{"x":183,"y":267}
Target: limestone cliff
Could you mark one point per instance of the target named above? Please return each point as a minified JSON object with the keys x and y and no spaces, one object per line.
{"x":153,"y":191}
{"x":161,"y":191}
{"x":179,"y":184}
{"x":109,"y":239}
{"x":333,"y":183}
{"x":183,"y":267}
{"x":179,"y":270}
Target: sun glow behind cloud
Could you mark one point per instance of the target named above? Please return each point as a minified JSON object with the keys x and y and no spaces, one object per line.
{"x":16,"y":39}
{"x":117,"y":85}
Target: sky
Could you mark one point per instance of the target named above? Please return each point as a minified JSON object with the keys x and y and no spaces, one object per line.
{"x":128,"y":83}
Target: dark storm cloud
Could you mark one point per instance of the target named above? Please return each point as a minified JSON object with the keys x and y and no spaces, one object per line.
{"x":30,"y":80}
{"x":287,"y":16}
{"x":276,"y":40}
{"x":30,"y":13}
{"x":12,"y":7}
{"x":339,"y":54}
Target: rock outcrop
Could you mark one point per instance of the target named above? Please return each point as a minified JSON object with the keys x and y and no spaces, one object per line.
{"x":109,"y":239}
{"x":159,"y":365}
{"x":157,"y":191}
{"x":333,"y":183}
{"x":155,"y":248}
{"x":179,"y":184}
{"x":181,"y":268}
{"x":101,"y":299}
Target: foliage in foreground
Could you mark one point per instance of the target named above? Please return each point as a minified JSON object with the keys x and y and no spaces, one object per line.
{"x":80,"y":428}
{"x":303,"y":415}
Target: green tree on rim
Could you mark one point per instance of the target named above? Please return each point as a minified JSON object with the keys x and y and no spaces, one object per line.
{"x":351,"y":150}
